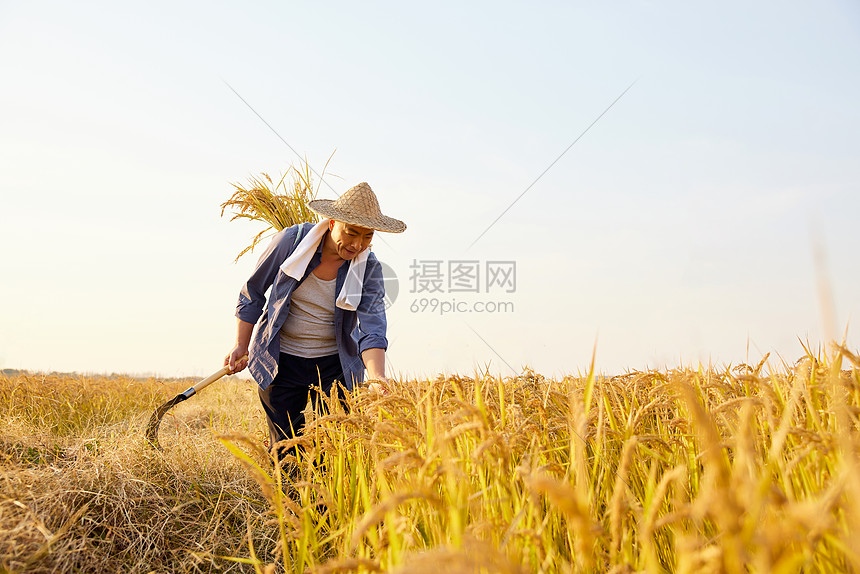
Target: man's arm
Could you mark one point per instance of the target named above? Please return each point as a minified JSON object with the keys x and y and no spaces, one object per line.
{"x":374,"y":362}
{"x":372,"y":324}
{"x":252,"y":297}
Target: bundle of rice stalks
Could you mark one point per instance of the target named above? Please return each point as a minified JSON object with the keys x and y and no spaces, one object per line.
{"x":278,"y":205}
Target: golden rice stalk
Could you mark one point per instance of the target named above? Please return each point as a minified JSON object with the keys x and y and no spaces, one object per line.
{"x":378,"y":512}
{"x":474,"y":556}
{"x":278,"y":205}
{"x":564,"y":497}
{"x":338,"y":565}
{"x":619,"y":501}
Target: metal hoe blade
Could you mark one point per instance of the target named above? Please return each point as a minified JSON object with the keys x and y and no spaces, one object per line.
{"x":155,"y":419}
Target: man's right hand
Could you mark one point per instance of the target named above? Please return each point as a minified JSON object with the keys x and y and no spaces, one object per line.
{"x":238,"y":357}
{"x":237,"y":360}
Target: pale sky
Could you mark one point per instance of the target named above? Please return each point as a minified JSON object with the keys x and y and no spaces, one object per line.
{"x":679,"y":229}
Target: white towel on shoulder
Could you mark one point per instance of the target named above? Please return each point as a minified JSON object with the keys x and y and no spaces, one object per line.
{"x":350,"y":293}
{"x":297,"y":263}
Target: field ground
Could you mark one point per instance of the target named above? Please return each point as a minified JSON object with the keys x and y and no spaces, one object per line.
{"x":752,"y":468}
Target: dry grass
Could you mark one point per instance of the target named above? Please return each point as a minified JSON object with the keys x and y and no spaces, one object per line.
{"x":736,"y":470}
{"x":81,"y":492}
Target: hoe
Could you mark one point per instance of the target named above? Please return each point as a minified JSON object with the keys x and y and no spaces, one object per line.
{"x":155,"y":419}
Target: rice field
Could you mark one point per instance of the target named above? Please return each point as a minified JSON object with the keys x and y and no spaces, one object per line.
{"x":745,"y":468}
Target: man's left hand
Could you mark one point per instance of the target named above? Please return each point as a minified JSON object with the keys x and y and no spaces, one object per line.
{"x":378,"y":385}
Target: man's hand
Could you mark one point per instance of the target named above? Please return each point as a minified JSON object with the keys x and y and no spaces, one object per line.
{"x":378,"y":385}
{"x":374,"y":362}
{"x":237,"y":360}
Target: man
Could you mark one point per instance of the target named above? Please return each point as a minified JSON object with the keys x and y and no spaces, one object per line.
{"x":325,"y":318}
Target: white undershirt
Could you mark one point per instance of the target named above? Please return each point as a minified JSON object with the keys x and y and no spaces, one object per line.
{"x":309,"y":329}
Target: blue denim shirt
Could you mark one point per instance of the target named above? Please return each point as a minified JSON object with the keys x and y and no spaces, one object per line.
{"x":355,"y":331}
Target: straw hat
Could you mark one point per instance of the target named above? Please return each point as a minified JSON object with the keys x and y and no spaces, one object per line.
{"x":358,"y":206}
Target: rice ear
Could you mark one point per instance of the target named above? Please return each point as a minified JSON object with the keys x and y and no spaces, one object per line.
{"x":278,"y":205}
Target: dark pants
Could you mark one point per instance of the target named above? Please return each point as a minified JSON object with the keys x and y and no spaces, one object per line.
{"x":298,"y":379}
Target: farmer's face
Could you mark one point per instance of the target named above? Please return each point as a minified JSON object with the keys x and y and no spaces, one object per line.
{"x":349,"y":240}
